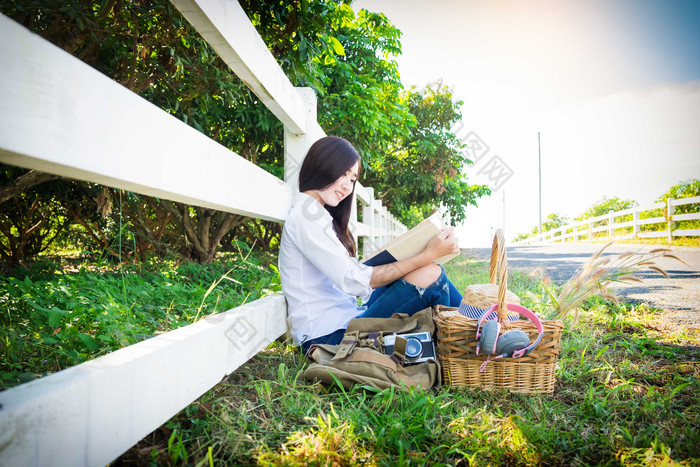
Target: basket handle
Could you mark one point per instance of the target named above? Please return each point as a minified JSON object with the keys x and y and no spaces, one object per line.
{"x":495,"y":249}
{"x":499,"y":264}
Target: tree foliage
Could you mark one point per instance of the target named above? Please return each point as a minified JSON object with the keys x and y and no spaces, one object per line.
{"x":686,"y":189}
{"x":605,"y":205}
{"x":30,"y":220}
{"x":150,"y":49}
{"x":346,"y":58}
{"x":553,"y":221}
{"x":410,"y":157}
{"x":423,"y":172}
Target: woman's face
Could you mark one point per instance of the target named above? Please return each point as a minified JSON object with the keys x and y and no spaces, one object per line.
{"x":340,"y":189}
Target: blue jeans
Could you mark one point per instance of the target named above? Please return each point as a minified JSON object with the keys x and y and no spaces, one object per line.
{"x":399,"y":297}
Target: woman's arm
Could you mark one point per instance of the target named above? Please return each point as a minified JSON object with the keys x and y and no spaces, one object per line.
{"x":442,"y":244}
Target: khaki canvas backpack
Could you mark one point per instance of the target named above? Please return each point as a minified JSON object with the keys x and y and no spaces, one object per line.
{"x":361,"y":357}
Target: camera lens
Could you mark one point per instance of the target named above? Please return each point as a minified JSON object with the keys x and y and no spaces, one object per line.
{"x":413,"y":347}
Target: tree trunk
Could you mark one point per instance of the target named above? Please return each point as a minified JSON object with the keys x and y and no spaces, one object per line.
{"x":204,"y":230}
{"x":23,"y":183}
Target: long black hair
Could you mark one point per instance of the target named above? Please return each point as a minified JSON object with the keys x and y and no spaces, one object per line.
{"x":328,"y":159}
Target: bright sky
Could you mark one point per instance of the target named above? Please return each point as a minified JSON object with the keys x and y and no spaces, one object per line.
{"x":613,"y":87}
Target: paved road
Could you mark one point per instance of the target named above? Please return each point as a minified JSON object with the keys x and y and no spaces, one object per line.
{"x":678,"y":295}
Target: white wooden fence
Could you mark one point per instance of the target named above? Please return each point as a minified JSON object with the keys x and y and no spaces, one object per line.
{"x":59,"y":115}
{"x":609,"y":225}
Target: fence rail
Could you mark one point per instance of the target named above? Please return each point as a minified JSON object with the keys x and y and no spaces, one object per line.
{"x":60,"y":116}
{"x":634,"y":229}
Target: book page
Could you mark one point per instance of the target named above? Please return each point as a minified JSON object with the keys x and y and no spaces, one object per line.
{"x":413,"y":235}
{"x":414,"y":241}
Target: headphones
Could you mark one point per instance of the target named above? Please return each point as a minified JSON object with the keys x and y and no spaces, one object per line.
{"x":511,"y":344}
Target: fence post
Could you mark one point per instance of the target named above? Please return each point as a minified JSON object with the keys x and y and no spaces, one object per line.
{"x":370,"y":243}
{"x":590,"y":230}
{"x":385,"y":225}
{"x":378,"y":238}
{"x":669,"y":219}
{"x":611,"y":219}
{"x":297,"y":145}
{"x":635,"y":222}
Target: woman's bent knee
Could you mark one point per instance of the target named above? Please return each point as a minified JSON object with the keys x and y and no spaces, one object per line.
{"x":425,"y":276}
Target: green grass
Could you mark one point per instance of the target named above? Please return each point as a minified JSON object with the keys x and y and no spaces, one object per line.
{"x":54,"y":316}
{"x":626,"y":391}
{"x":690,"y":242}
{"x":622,"y":398}
{"x":626,"y":394}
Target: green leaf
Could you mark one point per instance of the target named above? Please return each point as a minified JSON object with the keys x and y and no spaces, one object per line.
{"x":55,"y":316}
{"x":88,"y":342}
{"x":337,"y":46}
{"x":38,"y":307}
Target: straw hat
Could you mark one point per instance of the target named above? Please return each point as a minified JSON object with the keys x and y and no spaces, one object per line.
{"x":485,"y":295}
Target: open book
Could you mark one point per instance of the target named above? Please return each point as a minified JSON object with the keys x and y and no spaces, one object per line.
{"x":410,"y":243}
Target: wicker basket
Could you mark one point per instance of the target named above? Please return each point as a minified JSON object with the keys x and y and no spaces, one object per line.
{"x":456,"y":337}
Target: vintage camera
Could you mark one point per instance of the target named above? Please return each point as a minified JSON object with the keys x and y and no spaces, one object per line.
{"x":419,"y":346}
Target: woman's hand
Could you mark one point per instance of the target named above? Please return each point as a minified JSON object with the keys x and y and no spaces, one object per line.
{"x":442,"y":244}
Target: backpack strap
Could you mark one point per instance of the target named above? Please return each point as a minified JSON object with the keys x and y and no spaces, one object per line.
{"x":400,"y":349}
{"x":374,"y":341}
{"x":347,"y":345}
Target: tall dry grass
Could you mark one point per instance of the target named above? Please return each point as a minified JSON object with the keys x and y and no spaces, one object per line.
{"x":595,"y":277}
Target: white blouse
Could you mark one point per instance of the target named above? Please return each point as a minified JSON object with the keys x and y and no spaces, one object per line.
{"x":319,"y":278}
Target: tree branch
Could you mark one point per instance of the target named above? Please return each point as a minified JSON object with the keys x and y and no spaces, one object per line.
{"x":163,"y":248}
{"x":191,"y":234}
{"x":24,"y":183}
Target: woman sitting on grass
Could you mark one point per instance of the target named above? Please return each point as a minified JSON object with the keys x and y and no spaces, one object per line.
{"x":321,"y":277}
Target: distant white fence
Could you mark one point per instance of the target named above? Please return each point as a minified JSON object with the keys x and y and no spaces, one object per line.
{"x":59,"y":115}
{"x":610,"y":227}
